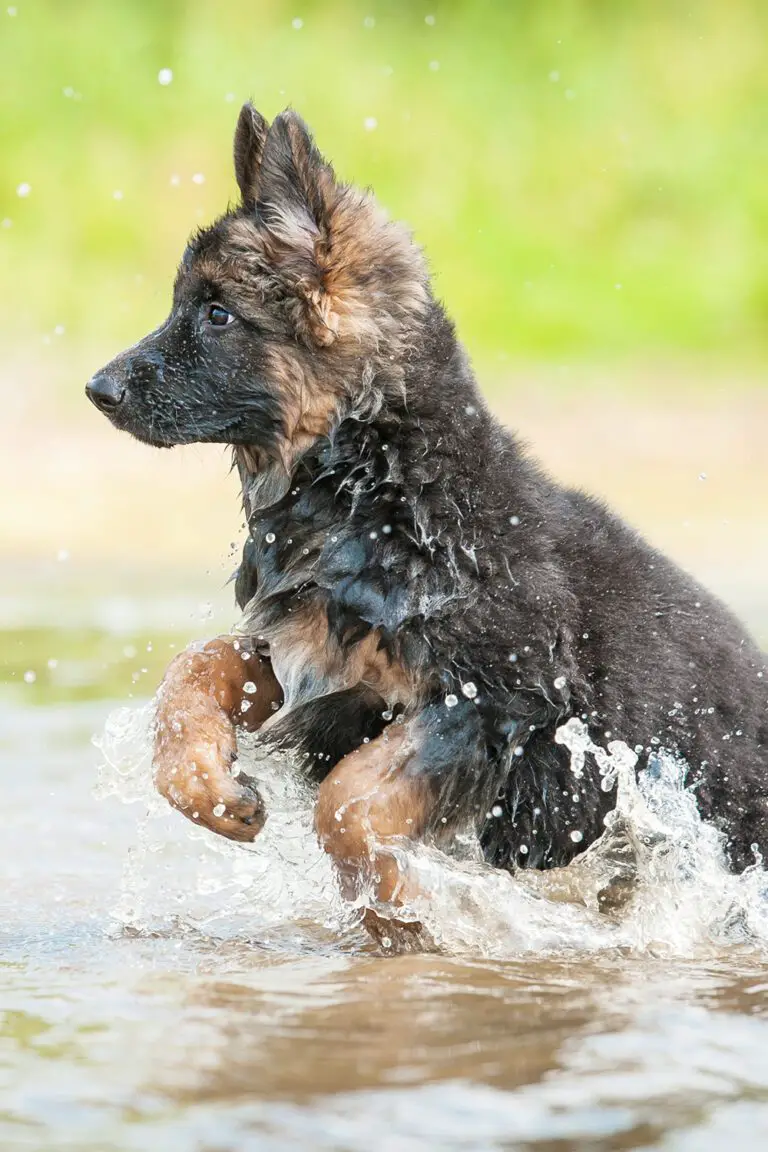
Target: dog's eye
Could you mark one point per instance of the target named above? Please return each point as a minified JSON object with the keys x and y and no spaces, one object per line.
{"x":217,"y":316}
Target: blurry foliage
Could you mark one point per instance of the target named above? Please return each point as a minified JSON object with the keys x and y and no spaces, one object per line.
{"x":588,"y":177}
{"x":46,"y":665}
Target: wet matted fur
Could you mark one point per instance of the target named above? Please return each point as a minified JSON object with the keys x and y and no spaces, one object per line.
{"x":405,"y":561}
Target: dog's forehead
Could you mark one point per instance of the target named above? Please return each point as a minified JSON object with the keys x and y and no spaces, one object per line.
{"x":204,"y":248}
{"x":201,"y":262}
{"x":209,"y":255}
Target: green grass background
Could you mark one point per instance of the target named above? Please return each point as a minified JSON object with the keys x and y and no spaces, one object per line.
{"x":589,"y":177}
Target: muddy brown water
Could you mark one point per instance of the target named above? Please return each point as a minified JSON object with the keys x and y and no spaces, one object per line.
{"x":158,"y":992}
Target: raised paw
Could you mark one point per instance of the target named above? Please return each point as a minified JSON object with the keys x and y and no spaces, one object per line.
{"x":195,"y":768}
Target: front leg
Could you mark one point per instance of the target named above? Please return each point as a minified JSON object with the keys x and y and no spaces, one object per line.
{"x":372,"y":801}
{"x":206,"y":694}
{"x":426,"y":777}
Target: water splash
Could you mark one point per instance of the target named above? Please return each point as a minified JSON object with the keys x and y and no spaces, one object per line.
{"x":179,"y":878}
{"x":656,"y":882}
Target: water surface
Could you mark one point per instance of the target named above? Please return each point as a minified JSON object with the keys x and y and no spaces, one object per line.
{"x":162,"y":990}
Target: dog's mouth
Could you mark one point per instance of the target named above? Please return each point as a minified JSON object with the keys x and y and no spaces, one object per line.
{"x":120,"y":417}
{"x":165,"y":428}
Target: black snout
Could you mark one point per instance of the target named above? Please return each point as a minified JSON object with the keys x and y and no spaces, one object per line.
{"x":105,"y":391}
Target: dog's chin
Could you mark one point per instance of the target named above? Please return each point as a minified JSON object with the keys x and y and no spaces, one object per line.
{"x":146,"y":436}
{"x":150,"y":434}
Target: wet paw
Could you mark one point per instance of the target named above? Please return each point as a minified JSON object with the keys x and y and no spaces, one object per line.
{"x":211,"y":796}
{"x":195,"y":768}
{"x":239,"y":812}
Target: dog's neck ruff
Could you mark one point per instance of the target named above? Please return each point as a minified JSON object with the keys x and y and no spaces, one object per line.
{"x":263,"y":483}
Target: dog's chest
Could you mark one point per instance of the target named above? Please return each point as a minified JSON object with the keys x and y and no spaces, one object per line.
{"x":303,"y":558}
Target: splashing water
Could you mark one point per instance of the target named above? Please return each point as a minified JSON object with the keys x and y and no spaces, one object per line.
{"x":655,"y":882}
{"x":179,"y":877}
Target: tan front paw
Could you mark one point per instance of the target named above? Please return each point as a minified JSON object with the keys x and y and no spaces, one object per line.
{"x":195,"y":769}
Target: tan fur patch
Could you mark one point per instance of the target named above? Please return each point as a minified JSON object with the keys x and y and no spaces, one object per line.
{"x":366,"y":805}
{"x":309,"y":401}
{"x":360,"y":282}
{"x":371,"y":270}
{"x":302,"y":642}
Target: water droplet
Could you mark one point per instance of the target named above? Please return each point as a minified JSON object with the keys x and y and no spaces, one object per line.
{"x":577,"y":836}
{"x":270,"y":537}
{"x":23,"y":189}
{"x":469,"y":689}
{"x":514,"y":521}
{"x":513,"y":657}
{"x":219,"y":810}
{"x":198,"y":178}
{"x":164,"y":77}
{"x":30,"y":677}
{"x":249,"y":687}
{"x":451,"y":701}
{"x":370,"y":123}
{"x":519,"y":750}
{"x":702,"y":475}
{"x":560,"y":683}
{"x":387,"y":714}
{"x":496,"y":810}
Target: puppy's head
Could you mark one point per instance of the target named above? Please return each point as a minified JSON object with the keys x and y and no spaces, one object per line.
{"x":282,"y":309}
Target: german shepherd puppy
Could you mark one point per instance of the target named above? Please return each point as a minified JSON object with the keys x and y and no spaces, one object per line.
{"x":422,"y":607}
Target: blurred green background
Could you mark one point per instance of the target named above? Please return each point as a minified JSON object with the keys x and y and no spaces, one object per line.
{"x":587,"y":176}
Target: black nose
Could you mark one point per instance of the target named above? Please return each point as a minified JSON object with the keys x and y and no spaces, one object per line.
{"x":105,"y":391}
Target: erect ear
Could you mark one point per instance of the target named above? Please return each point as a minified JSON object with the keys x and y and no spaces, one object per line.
{"x":296,"y":194}
{"x":295,"y":179}
{"x":250,"y":138}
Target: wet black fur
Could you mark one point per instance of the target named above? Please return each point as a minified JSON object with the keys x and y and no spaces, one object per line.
{"x":568,"y":589}
{"x":424,"y":518}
